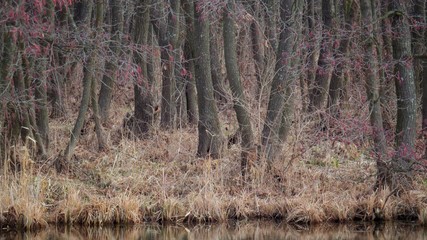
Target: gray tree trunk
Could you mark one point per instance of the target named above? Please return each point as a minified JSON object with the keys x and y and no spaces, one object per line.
{"x":257,"y":46}
{"x":372,"y":90}
{"x":190,"y":88}
{"x":239,"y":101}
{"x":216,"y":66}
{"x":271,"y":139}
{"x":144,"y":99}
{"x":406,"y":96}
{"x":168,"y":36}
{"x":320,"y":90}
{"x":210,"y":135}
{"x":338,"y":80}
{"x":87,"y":96}
{"x":111,"y":66}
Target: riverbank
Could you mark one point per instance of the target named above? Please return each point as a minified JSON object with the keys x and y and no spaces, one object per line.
{"x":160,"y":180}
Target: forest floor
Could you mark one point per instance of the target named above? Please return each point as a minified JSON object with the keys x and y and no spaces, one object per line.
{"x":160,"y":179}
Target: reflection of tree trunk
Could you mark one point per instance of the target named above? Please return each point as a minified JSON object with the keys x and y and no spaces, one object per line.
{"x":106,"y":92}
{"x":406,"y":96}
{"x":278,"y":111}
{"x":372,"y":90}
{"x":210,"y":136}
{"x":239,"y":101}
{"x":320,"y":90}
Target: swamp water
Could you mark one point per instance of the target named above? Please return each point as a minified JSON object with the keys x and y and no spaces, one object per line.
{"x":239,"y":230}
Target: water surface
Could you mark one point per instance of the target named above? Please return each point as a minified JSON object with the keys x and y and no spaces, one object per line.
{"x":235,"y":230}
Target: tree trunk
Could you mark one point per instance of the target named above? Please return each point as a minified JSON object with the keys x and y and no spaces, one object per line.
{"x":406,"y":96}
{"x":313,"y":31}
{"x":271,"y":139}
{"x":180,"y":92}
{"x":216,"y":67}
{"x":337,"y":86}
{"x":87,"y":96}
{"x":210,"y":136}
{"x":239,"y":101}
{"x":6,"y":75}
{"x":320,"y":90}
{"x":424,"y":107}
{"x":257,"y":47}
{"x":168,"y":36}
{"x":111,"y":66}
{"x":372,"y":90}
{"x":271,"y":23}
{"x":144,"y":109}
{"x":190,"y":88}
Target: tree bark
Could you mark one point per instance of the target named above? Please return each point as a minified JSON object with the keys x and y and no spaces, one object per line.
{"x":111,"y":66}
{"x":239,"y":101}
{"x":168,"y":35}
{"x":257,"y":47}
{"x":271,"y":23}
{"x":372,"y":90}
{"x":271,"y":139}
{"x":320,"y":90}
{"x":406,"y":96}
{"x":216,"y":67}
{"x":190,"y":88}
{"x":314,"y":31}
{"x":87,"y":95}
{"x":424,"y":107}
{"x":144,"y":100}
{"x":337,"y":86}
{"x":6,"y":75}
{"x":210,"y":136}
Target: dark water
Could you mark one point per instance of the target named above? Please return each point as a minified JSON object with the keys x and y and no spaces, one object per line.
{"x":251,"y":230}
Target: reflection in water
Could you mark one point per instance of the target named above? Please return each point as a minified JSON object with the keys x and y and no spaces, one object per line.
{"x":251,"y":230}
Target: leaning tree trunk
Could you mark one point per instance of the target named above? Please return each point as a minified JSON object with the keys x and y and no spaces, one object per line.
{"x":87,"y":96}
{"x":111,"y":66}
{"x":239,"y":102}
{"x":271,"y":142}
{"x":320,"y":90}
{"x":372,"y":90}
{"x":406,"y":96}
{"x":210,"y":136}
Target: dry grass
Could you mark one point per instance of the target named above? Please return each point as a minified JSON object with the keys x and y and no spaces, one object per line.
{"x":160,"y":179}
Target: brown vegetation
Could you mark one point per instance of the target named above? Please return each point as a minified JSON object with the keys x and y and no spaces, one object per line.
{"x":160,"y":179}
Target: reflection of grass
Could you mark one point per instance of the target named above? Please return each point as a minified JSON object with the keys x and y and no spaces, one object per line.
{"x":159,"y":179}
{"x":237,"y":230}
